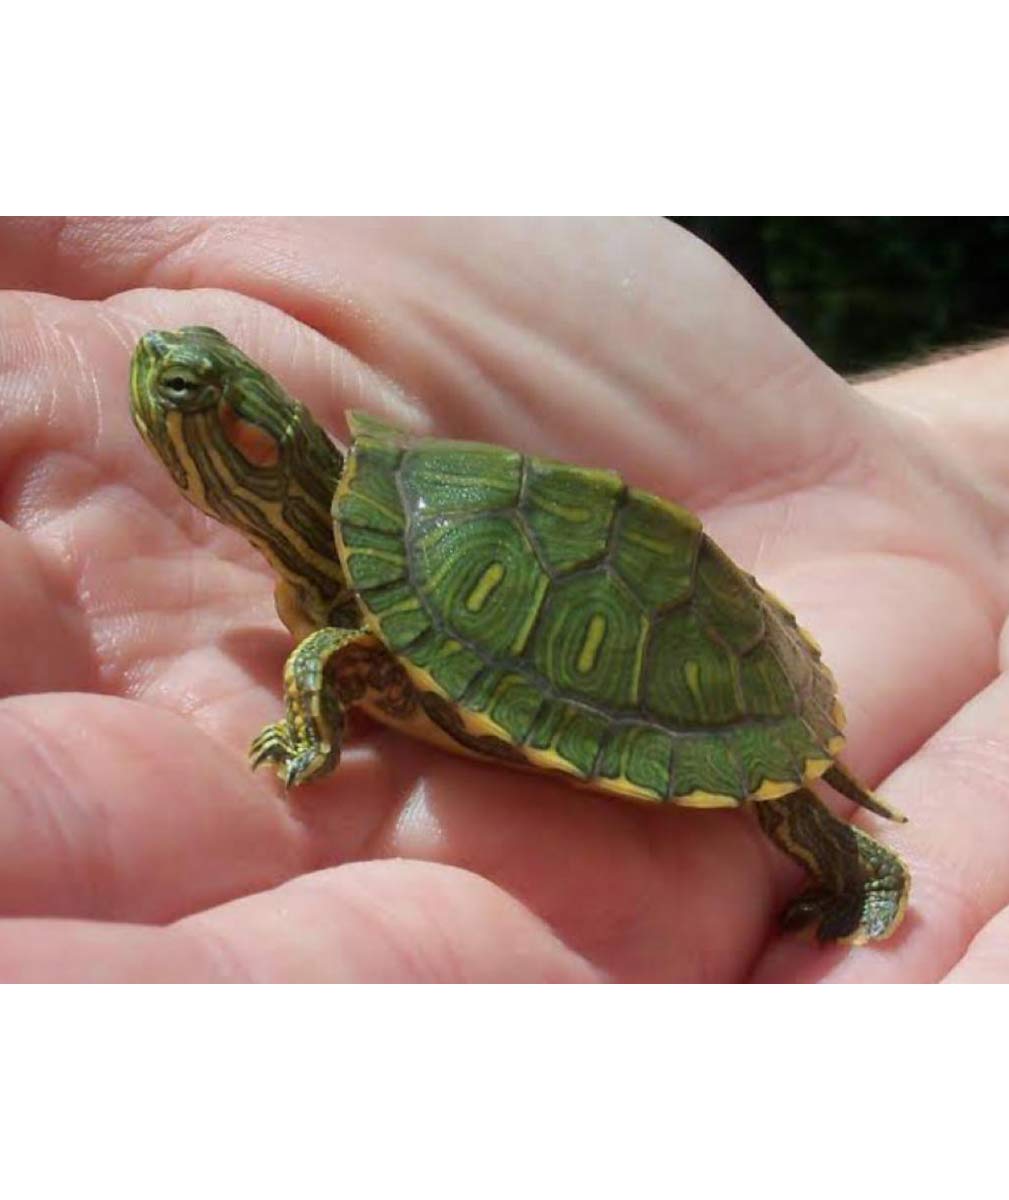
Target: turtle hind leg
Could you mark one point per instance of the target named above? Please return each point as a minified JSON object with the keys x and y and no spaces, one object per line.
{"x":322,"y":677}
{"x":860,"y":888}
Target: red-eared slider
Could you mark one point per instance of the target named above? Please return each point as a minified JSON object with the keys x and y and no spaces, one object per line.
{"x":521,"y":610}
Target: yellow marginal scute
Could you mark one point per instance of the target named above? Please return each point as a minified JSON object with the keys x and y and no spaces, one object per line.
{"x":701,"y":799}
{"x":622,"y":786}
{"x":773,"y":789}
{"x":770,"y":789}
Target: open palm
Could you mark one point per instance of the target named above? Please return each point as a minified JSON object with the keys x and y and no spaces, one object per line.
{"x":140,"y":650}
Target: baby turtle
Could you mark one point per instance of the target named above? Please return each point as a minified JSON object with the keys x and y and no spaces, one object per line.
{"x":520,"y":610}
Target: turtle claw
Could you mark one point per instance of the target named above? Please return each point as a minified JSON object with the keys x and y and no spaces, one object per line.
{"x":294,"y":763}
{"x":269,"y":745}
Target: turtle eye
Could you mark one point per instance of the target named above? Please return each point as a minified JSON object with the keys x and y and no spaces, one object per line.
{"x":180,"y":390}
{"x":177,"y":387}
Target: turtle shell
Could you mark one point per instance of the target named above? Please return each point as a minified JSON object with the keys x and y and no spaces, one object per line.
{"x":555,"y":617}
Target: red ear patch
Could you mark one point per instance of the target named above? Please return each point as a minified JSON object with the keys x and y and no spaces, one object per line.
{"x":254,"y":444}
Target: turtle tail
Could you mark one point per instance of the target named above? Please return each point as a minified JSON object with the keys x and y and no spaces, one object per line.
{"x":841,"y":780}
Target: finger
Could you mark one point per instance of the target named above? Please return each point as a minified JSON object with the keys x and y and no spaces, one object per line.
{"x":955,"y":792}
{"x":961,"y":402}
{"x":119,"y":811}
{"x":374,"y":922}
{"x":526,"y":331}
{"x":87,"y":257}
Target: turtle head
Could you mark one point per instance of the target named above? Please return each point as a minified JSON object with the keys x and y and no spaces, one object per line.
{"x":215,"y":419}
{"x":244,"y":452}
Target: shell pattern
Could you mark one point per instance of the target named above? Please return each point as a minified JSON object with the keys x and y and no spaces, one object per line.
{"x":582,"y":625}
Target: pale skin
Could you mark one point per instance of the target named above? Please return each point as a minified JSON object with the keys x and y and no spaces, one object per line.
{"x":140,"y":650}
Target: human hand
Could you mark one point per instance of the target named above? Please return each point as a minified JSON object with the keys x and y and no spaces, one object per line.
{"x":141,"y":652}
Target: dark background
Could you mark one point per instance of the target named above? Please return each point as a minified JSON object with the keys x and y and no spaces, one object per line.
{"x":868,"y":292}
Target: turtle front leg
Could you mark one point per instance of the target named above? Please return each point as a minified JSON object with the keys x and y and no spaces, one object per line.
{"x":861,"y":888}
{"x":323,"y":676}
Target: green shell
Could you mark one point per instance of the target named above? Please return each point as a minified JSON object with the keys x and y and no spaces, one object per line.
{"x":579,"y":623}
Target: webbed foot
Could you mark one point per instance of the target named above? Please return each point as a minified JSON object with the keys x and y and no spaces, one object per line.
{"x":861,"y":888}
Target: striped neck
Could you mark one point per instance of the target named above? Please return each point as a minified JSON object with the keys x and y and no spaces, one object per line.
{"x":245,"y":453}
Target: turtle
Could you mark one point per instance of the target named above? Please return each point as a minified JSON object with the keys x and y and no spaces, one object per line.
{"x":520,"y":610}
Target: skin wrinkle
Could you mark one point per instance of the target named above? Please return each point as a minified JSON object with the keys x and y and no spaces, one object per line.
{"x":630,"y":927}
{"x":227,"y":965}
{"x":992,"y":618}
{"x":328,"y":310}
{"x":476,"y":337}
{"x":990,"y":943}
{"x":361,"y":892}
{"x":914,"y":542}
{"x":150,"y":255}
{"x":55,"y":804}
{"x":375,"y":914}
{"x":41,"y":572}
{"x":948,"y":475}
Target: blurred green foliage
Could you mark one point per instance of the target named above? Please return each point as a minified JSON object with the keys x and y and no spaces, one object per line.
{"x":865,"y":292}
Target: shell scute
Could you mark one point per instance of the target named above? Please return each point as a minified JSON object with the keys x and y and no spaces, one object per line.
{"x":726,"y":600}
{"x":765,"y":687}
{"x":639,"y":755}
{"x":374,"y":502}
{"x":479,"y":578}
{"x":690,"y":680}
{"x":548,"y":723}
{"x":765,"y":755}
{"x":580,"y":738}
{"x":569,"y":512}
{"x":655,"y":548}
{"x":452,"y":665}
{"x":459,"y":477}
{"x":590,"y":640}
{"x":376,"y":558}
{"x":706,"y":768}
